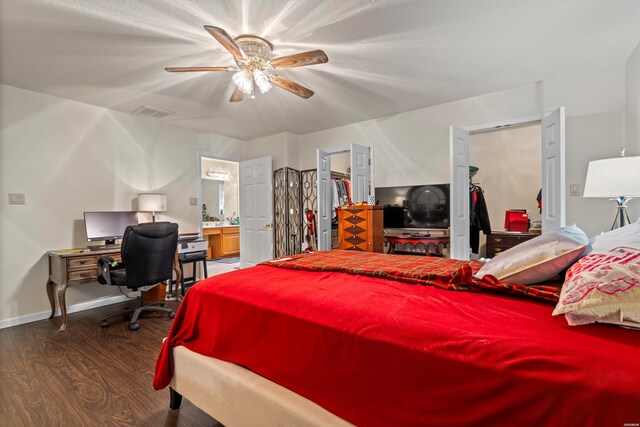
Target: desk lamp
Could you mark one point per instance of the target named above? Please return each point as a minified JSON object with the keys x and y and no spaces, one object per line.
{"x":617,"y":179}
{"x":152,"y":202}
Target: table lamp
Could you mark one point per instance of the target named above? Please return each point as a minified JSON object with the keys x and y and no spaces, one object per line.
{"x":152,"y":202}
{"x":617,"y":179}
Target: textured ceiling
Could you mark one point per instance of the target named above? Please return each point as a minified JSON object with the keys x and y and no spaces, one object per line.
{"x":385,"y":56}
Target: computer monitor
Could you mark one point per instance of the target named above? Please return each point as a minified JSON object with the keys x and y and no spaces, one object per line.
{"x":109,"y":225}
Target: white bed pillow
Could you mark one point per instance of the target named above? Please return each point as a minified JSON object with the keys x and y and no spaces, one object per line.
{"x":604,"y":286}
{"x":624,"y":236}
{"x":538,"y":259}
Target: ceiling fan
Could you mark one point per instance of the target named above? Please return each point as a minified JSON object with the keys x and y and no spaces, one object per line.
{"x":255,"y":65}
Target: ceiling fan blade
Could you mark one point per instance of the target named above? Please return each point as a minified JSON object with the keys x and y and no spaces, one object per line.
{"x":292,"y":87}
{"x":300,"y":59}
{"x":189,"y":69}
{"x":237,"y":95}
{"x":226,"y":41}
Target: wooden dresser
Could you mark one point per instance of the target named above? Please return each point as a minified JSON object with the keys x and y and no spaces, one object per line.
{"x":360,"y":228}
{"x":500,"y":241}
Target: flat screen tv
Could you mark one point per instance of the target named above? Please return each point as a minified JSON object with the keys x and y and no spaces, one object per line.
{"x":108,"y":225}
{"x":418,"y":206}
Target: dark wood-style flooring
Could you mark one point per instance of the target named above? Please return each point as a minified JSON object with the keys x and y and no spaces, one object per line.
{"x":87,"y":376}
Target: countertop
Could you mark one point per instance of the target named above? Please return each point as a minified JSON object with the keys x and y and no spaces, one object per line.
{"x":212,"y":224}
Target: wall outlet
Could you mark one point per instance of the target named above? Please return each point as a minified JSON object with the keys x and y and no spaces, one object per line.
{"x":16,"y":199}
{"x":193,"y":201}
{"x":574,"y":189}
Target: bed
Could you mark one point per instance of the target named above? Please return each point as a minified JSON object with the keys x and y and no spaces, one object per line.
{"x":373,"y":340}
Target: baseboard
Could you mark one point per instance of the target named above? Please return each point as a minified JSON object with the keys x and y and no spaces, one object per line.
{"x":81,"y":306}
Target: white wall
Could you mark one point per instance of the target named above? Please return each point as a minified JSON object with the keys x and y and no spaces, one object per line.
{"x":633,"y":102}
{"x":282,"y":147}
{"x":68,"y":157}
{"x":413,"y":147}
{"x":399,"y":140}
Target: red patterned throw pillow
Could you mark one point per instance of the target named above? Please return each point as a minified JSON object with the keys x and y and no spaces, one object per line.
{"x":603,"y":287}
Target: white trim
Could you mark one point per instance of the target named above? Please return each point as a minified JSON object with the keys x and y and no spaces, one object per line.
{"x":500,"y":124}
{"x":82,"y":306}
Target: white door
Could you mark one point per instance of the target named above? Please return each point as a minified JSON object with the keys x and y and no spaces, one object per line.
{"x":459,"y":209}
{"x":256,"y":211}
{"x":359,"y":173}
{"x":325,"y":202}
{"x":553,"y":171}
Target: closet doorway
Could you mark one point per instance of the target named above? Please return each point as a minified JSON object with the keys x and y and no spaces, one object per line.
{"x":361,"y":179}
{"x":552,"y":156}
{"x":509,"y":173}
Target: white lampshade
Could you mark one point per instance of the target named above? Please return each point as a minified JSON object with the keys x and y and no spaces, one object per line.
{"x":613,"y":178}
{"x":152,"y":202}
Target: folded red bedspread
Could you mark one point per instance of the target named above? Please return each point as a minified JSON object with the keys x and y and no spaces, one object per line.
{"x":443,"y":273}
{"x":378,"y":352}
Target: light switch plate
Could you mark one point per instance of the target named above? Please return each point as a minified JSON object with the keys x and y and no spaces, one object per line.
{"x":574,"y":189}
{"x":193,"y":201}
{"x":16,"y":199}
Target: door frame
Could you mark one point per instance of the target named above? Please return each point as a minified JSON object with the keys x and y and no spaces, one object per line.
{"x":208,"y":154}
{"x":329,"y":153}
{"x":506,"y":124}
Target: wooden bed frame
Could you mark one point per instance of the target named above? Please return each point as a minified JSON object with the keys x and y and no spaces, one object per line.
{"x":236,"y":396}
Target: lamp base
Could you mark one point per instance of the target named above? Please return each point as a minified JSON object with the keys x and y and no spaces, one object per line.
{"x":622,"y":215}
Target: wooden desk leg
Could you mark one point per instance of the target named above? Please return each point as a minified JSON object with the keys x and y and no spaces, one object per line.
{"x":178,"y":270}
{"x":52,"y":299}
{"x":62,"y":289}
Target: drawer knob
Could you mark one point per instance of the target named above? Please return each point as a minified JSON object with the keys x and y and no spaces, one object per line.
{"x":497,"y":240}
{"x":498,"y":249}
{"x":83,"y":261}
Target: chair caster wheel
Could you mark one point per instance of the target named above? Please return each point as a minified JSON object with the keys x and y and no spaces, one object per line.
{"x":104,"y":324}
{"x":172,"y":315}
{"x":134,"y":326}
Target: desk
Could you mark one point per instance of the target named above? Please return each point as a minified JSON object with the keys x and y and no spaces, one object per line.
{"x":436,"y":242}
{"x":76,"y":267}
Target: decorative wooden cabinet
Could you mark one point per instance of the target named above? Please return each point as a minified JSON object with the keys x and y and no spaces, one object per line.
{"x":500,"y":241}
{"x":360,"y":228}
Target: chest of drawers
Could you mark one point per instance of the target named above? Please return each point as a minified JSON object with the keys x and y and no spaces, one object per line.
{"x":360,"y":228}
{"x":498,"y":242}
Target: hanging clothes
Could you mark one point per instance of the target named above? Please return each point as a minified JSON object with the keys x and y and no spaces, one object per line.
{"x":341,"y":194}
{"x":478,"y":217}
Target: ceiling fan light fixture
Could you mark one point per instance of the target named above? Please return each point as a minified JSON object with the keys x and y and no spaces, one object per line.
{"x":262,"y":81}
{"x":243,"y":80}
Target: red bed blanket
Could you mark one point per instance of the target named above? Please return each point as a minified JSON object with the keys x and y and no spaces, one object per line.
{"x":444,"y":273}
{"x":378,"y":352}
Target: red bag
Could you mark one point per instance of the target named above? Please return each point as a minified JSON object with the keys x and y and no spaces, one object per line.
{"x":516,"y":220}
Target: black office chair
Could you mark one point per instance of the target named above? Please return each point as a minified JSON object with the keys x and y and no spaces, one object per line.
{"x":148,"y":252}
